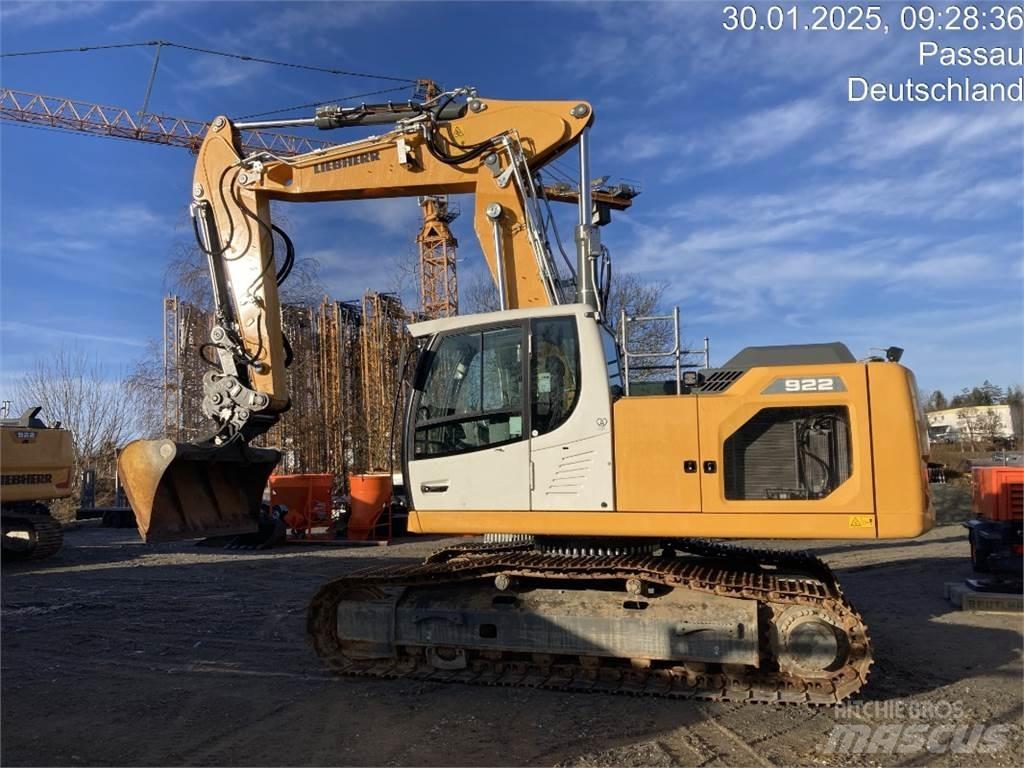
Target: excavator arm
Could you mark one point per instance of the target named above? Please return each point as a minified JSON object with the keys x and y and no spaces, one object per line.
{"x":489,"y":148}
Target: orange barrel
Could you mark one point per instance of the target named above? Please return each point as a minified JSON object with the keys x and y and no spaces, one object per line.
{"x":370,"y":495}
{"x":308,"y":498}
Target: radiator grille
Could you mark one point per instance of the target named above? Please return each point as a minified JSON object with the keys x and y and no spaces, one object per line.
{"x":788,"y":453}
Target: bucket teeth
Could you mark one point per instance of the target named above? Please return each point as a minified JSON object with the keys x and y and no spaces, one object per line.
{"x":188,"y":491}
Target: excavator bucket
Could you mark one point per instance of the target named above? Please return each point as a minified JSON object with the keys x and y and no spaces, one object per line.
{"x":189,"y":491}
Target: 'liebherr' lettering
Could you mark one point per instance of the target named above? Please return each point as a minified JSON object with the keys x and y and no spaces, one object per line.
{"x":345,"y":162}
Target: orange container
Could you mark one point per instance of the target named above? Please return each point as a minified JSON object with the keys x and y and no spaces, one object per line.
{"x":370,"y":496}
{"x":308,"y":498}
{"x":998,"y":492}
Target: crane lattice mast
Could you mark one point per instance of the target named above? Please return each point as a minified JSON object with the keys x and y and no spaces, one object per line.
{"x":118,"y":122}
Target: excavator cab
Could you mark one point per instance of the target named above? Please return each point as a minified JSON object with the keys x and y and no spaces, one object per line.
{"x":187,"y":490}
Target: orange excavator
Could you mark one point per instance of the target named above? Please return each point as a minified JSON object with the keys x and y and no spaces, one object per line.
{"x":598,"y":496}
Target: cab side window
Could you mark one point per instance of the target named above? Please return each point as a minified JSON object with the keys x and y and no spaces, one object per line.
{"x":472,"y":396}
{"x":612,"y":362}
{"x":554,"y":373}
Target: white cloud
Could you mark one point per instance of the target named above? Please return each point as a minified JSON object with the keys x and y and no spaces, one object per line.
{"x":348,"y":272}
{"x":33,"y":332}
{"x":729,"y":141}
{"x":766,"y":132}
{"x":746,"y":266}
{"x":947,"y":191}
{"x":209,"y":72}
{"x":951,"y":345}
{"x":148,"y":13}
{"x":938,"y":135}
{"x":299,"y":19}
{"x":275,"y":31}
{"x":855,"y":139}
{"x":108,"y":239}
{"x":391,"y":215}
{"x":34,"y":13}
{"x":127,"y":220}
{"x":303,"y":26}
{"x":644,"y":145}
{"x":660,"y":45}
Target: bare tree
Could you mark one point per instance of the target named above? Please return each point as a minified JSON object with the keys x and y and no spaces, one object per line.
{"x":98,"y":410}
{"x":989,"y":426}
{"x":478,"y":295}
{"x":968,"y":428}
{"x":144,"y":387}
{"x":75,"y":390}
{"x":405,"y":276}
{"x":188,"y":276}
{"x":639,"y":299}
{"x":629,"y":293}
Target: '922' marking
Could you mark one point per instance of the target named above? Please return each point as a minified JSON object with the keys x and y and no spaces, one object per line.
{"x":805,"y":384}
{"x":810,"y":385}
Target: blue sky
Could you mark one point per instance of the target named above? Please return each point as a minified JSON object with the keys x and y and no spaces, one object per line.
{"x":778,"y":211}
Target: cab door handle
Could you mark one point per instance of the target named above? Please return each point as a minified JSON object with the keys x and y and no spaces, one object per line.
{"x":427,"y":488}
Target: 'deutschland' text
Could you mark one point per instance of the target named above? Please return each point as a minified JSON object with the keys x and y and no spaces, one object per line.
{"x":952,"y":88}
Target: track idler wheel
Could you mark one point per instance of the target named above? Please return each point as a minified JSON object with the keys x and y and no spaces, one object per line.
{"x":807,"y":644}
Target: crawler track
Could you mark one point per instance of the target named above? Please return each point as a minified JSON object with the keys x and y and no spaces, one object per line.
{"x":795,"y":583}
{"x":46,"y":536}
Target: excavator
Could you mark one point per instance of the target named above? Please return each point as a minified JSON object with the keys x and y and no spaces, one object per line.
{"x":36,"y":464}
{"x":600,"y":501}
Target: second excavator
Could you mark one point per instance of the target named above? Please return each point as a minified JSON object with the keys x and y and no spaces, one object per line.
{"x":598,"y":498}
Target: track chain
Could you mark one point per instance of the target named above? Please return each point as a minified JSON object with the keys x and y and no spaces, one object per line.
{"x":444,"y":554}
{"x":800,"y":560}
{"x":48,"y":538}
{"x":798,"y":579}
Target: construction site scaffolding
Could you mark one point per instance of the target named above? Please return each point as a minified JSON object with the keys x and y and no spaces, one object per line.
{"x":344,"y":382}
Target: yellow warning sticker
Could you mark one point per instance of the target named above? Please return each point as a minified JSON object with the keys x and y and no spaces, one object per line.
{"x":457,"y":132}
{"x":862,"y":521}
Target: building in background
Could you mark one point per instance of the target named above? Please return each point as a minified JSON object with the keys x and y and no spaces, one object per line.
{"x":977,"y":424}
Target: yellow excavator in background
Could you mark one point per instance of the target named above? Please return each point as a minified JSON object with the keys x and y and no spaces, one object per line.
{"x":36,"y":462}
{"x":597,"y":495}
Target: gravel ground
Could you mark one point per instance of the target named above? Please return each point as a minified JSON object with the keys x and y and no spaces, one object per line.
{"x":114,"y":652}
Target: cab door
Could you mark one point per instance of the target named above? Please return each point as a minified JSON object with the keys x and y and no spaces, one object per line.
{"x":570,"y":416}
{"x":467,"y":444}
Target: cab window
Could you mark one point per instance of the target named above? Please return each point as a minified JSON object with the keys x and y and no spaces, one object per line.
{"x":472,"y":396}
{"x":554,"y":373}
{"x":612,"y":362}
